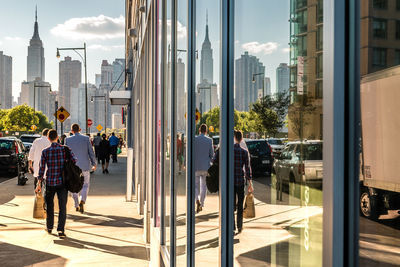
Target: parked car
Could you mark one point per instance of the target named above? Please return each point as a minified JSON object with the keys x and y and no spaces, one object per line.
{"x":261,"y":157}
{"x":215,"y":139}
{"x":276,"y":144}
{"x":292,"y":166}
{"x":28,"y":139}
{"x":13,"y":158}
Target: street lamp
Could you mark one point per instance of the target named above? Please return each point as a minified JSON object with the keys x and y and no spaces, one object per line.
{"x":105,"y":109}
{"x":84,"y":61}
{"x":254,"y":81}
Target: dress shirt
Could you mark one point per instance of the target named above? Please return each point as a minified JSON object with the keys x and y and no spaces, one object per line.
{"x":36,"y":152}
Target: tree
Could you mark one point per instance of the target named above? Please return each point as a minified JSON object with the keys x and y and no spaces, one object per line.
{"x":21,"y":118}
{"x":298,"y":117}
{"x":3,"y":115}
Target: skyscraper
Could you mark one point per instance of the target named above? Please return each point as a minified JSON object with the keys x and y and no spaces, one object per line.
{"x":118,"y":77}
{"x":246,"y":91}
{"x":5,"y":81}
{"x":282,"y":78}
{"x":206,"y":61}
{"x":70,"y":76}
{"x":35,"y":60}
{"x":267,"y":86}
{"x":106,"y":73}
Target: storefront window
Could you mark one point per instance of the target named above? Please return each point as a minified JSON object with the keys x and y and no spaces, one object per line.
{"x":283,"y":138}
{"x":379,"y":235}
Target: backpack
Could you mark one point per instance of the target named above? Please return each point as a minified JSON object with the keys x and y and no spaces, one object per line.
{"x":71,"y":174}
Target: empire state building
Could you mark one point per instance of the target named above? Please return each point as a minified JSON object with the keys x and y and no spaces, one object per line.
{"x":206,"y":61}
{"x":35,"y":66}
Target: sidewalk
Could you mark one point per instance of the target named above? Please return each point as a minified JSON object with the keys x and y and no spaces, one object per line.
{"x":109,"y":233}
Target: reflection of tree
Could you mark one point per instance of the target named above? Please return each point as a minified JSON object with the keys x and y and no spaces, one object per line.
{"x":298,"y":116}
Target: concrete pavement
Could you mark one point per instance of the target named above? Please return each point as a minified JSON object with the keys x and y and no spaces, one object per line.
{"x":108,"y":233}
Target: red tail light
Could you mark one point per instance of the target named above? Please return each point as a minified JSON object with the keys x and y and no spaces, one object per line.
{"x":270,"y":149}
{"x":301,"y":168}
{"x":16,"y":149}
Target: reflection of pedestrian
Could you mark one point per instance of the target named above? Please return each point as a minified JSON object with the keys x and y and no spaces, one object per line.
{"x":241,"y":163}
{"x":53,"y":158}
{"x":104,"y":153}
{"x":83,"y":150}
{"x":114,"y":141}
{"x":96,"y":142}
{"x":179,"y":152}
{"x":204,"y":151}
{"x":35,"y":153}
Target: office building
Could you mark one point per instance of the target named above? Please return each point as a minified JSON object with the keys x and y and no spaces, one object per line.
{"x":267,"y":86}
{"x":118,"y":77}
{"x":35,"y":60}
{"x":5,"y":81}
{"x":206,"y":60}
{"x":282,"y":78}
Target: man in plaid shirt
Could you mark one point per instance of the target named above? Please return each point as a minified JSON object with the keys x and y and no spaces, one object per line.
{"x":54,"y":157}
{"x":242,"y":171}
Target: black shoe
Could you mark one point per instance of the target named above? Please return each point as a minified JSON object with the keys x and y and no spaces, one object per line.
{"x":81,"y":208}
{"x":106,"y":171}
{"x":239,"y":230}
{"x":198,"y":206}
{"x":77,"y":209}
{"x":48,"y":231}
{"x":61,"y":235}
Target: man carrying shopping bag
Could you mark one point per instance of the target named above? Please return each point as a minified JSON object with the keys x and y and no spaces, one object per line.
{"x":242,"y":171}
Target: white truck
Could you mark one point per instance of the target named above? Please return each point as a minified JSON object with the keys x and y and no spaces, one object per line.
{"x":380,"y":143}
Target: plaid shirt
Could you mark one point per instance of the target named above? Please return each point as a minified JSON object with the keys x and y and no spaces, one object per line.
{"x":53,"y":157}
{"x":241,"y":159}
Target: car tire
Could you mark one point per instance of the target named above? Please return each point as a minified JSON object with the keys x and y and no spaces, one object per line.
{"x":369,"y":205}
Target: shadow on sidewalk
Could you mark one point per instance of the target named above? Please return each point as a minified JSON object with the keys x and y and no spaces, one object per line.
{"x":106,"y":220}
{"x":136,"y":252}
{"x":15,"y":256}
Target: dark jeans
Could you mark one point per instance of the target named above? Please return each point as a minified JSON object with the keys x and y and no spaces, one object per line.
{"x":239,"y":197}
{"x":62,"y":195}
{"x":96,"y":151}
{"x":114,"y":153}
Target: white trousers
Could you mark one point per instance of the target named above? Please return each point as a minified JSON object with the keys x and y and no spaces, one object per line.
{"x":201,"y":186}
{"x":85,"y":189}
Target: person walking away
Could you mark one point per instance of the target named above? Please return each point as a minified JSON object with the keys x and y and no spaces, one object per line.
{"x":104,"y":153}
{"x":53,"y":158}
{"x":35,"y":154}
{"x":242,"y":171}
{"x":114,"y":141}
{"x":83,"y":150}
{"x":179,"y":152}
{"x":96,"y":142}
{"x":204,"y":152}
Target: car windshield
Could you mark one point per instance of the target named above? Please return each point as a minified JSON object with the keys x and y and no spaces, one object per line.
{"x":28,"y":139}
{"x":6,"y":144}
{"x":275,"y":142}
{"x":258,"y":147}
{"x":312,"y":151}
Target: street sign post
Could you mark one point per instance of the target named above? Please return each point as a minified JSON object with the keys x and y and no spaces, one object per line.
{"x":62,"y":114}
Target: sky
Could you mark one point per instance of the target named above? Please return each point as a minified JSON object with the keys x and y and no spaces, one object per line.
{"x":99,"y":23}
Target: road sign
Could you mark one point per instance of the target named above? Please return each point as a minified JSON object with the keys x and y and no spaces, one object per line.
{"x":89,"y":122}
{"x":33,"y":127}
{"x":61,"y":114}
{"x":198,"y":116}
{"x":99,"y":127}
{"x":211,"y":128}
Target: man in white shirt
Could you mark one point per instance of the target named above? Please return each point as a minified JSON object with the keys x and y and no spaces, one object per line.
{"x":35,"y":153}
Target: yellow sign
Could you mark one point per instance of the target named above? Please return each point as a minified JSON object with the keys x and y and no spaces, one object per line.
{"x":99,"y":127}
{"x":33,"y":127}
{"x":198,"y":116}
{"x":61,"y":114}
{"x":211,"y":128}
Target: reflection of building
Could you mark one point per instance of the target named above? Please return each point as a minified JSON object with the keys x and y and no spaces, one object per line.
{"x":206,"y":96}
{"x":305,"y":111}
{"x":180,"y":96}
{"x":5,"y":81}
{"x":282,"y":78}
{"x":246,"y":91}
{"x":380,"y":35}
{"x":38,"y":97}
{"x":35,"y":60}
{"x":267,"y":86}
{"x":70,"y":76}
{"x":118,"y":78}
{"x":97,"y":80}
{"x":206,"y":61}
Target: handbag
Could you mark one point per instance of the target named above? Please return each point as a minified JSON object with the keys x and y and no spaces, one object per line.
{"x":249,"y":210}
{"x":38,"y":207}
{"x":212,"y":178}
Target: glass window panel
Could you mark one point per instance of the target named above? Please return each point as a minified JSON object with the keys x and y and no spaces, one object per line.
{"x":397,"y":29}
{"x":287,"y":179}
{"x":207,"y":94}
{"x":380,"y":4}
{"x":379,"y":235}
{"x":379,"y":28}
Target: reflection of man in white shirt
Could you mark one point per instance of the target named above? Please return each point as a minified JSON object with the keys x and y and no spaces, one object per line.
{"x":35,"y":153}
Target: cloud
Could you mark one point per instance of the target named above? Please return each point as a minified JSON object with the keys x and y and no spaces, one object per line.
{"x":105,"y":47}
{"x":10,"y":38}
{"x":285,"y":50}
{"x":256,"y":47}
{"x":181,"y":30}
{"x":89,"y":28}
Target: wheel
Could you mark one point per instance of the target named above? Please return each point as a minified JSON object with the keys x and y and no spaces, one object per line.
{"x":369,"y":205}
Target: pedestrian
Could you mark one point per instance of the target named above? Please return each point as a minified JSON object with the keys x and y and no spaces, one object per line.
{"x":104,"y":153}
{"x":96,"y":142}
{"x":242,"y":174}
{"x":121,"y":141}
{"x":204,"y":151}
{"x":53,"y":158}
{"x":179,"y":152}
{"x":83,"y":150}
{"x":114,"y":141}
{"x":35,"y":154}
{"x":62,"y":141}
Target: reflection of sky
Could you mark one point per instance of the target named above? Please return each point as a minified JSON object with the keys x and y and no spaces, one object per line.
{"x":262,"y":28}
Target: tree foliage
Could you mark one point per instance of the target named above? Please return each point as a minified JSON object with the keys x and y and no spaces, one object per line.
{"x":21,"y":118}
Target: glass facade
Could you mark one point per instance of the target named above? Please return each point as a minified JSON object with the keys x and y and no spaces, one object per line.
{"x":255,"y":142}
